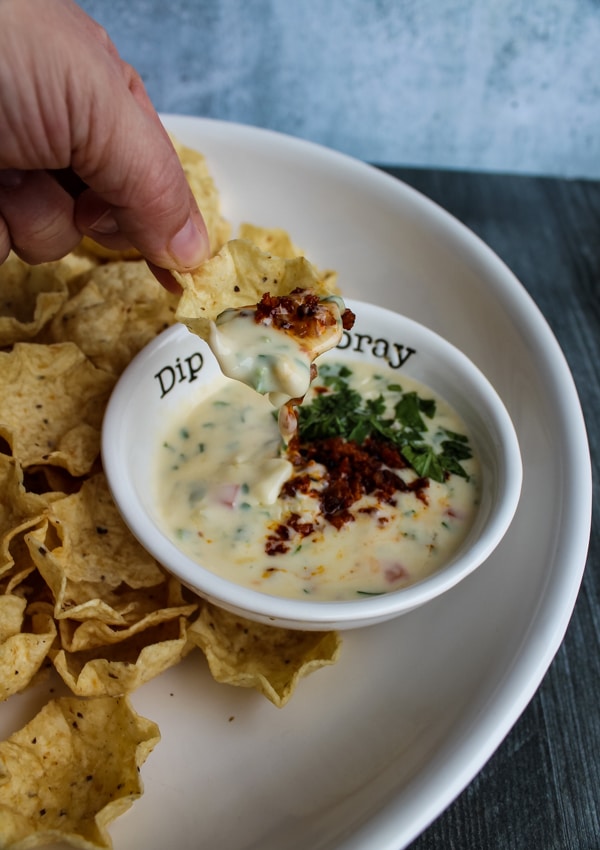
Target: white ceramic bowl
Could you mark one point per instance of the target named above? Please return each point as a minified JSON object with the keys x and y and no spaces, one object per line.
{"x":167,"y":375}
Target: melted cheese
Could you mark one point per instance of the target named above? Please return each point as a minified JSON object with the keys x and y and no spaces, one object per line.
{"x":218,"y":479}
{"x":272,"y":361}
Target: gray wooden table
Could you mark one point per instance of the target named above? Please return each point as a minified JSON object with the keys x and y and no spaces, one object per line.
{"x":541,"y":789}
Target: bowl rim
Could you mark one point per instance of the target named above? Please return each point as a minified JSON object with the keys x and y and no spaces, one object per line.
{"x":305,"y":613}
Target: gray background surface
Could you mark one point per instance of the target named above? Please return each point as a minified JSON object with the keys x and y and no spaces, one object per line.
{"x":493,"y":85}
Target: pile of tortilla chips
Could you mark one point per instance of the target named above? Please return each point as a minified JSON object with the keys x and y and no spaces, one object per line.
{"x":77,"y":591}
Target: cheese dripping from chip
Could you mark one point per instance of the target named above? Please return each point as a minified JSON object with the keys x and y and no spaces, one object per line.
{"x":278,"y":316}
{"x":271,"y":346}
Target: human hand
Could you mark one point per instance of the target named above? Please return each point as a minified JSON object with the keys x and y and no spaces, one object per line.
{"x":70,"y":107}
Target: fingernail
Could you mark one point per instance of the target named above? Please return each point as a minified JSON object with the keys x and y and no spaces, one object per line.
{"x":188,"y":247}
{"x":106,"y":224}
{"x":10,"y":178}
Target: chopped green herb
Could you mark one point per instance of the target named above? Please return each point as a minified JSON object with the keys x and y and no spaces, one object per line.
{"x":424,"y":461}
{"x":343,"y":412}
{"x":460,"y":438}
{"x":457,"y":450}
{"x":197,"y":493}
{"x":333,"y":376}
{"x":368,"y":593}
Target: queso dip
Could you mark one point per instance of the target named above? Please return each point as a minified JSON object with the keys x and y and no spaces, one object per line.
{"x":276,"y":519}
{"x":329,"y":517}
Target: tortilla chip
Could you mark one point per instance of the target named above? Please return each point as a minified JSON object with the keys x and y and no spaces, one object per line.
{"x":18,"y":582}
{"x":149,"y":607}
{"x":271,"y":240}
{"x":118,"y":310}
{"x":75,"y":265}
{"x":277,"y":241}
{"x":205,"y":192}
{"x":15,"y":579}
{"x":12,"y":610}
{"x":85,"y":551}
{"x":123,"y":667}
{"x":29,"y":297}
{"x":236,"y":277}
{"x":71,"y":771}
{"x":23,"y":645}
{"x":50,"y":480}
{"x":22,"y":577}
{"x":251,"y":655}
{"x":19,"y":509}
{"x":53,"y":400}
